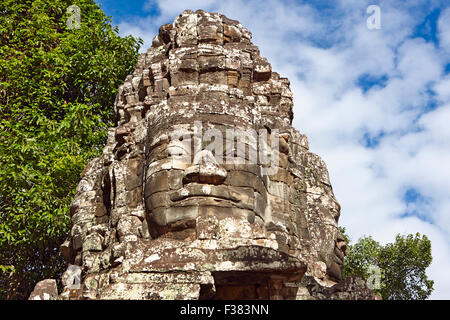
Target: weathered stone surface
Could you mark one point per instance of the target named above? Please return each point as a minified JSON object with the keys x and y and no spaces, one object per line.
{"x":352,"y":288}
{"x":204,"y":189}
{"x":45,"y":290}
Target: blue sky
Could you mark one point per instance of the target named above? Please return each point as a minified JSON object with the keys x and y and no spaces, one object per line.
{"x":375,"y":104}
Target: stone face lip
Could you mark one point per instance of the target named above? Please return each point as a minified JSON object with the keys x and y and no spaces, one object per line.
{"x":179,"y":205}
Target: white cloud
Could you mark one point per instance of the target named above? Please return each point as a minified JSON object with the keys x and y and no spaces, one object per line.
{"x":324,"y":56}
{"x":144,"y":28}
{"x":442,"y":88}
{"x":444,"y":30}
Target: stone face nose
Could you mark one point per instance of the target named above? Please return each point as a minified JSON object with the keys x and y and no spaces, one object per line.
{"x":205,"y":169}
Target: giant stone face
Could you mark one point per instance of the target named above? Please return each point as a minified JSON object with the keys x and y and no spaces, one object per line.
{"x":204,"y":189}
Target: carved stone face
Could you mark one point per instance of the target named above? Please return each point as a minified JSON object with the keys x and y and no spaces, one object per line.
{"x":191,"y":182}
{"x":204,"y":176}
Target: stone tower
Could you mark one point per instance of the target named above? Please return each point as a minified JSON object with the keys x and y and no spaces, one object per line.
{"x":204,"y":189}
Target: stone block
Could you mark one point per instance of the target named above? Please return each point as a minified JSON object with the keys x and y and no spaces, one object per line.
{"x":45,"y":290}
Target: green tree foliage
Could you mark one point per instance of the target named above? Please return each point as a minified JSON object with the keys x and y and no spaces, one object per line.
{"x":402,"y":265}
{"x":57,"y":88}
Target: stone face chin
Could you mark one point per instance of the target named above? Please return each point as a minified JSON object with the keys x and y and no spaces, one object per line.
{"x":177,"y":210}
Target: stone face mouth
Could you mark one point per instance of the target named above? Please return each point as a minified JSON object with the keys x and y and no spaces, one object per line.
{"x":194,"y":190}
{"x":218,"y":195}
